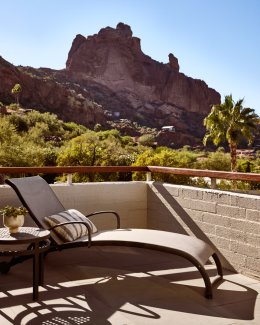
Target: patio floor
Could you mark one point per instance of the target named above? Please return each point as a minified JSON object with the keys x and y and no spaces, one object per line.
{"x":124,"y":286}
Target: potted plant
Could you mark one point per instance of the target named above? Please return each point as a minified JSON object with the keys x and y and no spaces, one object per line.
{"x":13,"y":217}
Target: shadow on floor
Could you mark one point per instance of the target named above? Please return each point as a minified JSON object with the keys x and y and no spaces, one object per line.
{"x":84,"y":293}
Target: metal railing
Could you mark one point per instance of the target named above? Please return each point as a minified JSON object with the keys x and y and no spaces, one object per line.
{"x":69,"y":170}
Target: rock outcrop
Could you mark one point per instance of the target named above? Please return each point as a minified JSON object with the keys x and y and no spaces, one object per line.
{"x":136,"y":86}
{"x":108,"y":77}
{"x":41,"y":91}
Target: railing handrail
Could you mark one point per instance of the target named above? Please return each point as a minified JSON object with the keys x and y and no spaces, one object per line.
{"x":254,"y":177}
{"x":71,"y":169}
{"x":213,"y":174}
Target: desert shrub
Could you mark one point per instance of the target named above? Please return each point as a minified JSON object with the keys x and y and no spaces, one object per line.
{"x":166,"y":157}
{"x":97,"y":149}
{"x":146,"y":140}
{"x":214,"y":161}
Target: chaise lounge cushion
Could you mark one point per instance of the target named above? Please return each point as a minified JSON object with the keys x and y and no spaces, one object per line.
{"x":70,"y":232}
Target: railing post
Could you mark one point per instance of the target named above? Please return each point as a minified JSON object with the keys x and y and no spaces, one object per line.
{"x":148,"y":176}
{"x":213,"y":183}
{"x":69,"y":179}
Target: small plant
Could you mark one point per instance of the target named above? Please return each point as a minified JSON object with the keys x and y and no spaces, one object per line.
{"x":12,"y":211}
{"x":16,"y":91}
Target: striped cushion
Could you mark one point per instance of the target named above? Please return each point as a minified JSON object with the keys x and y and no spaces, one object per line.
{"x":70,"y":232}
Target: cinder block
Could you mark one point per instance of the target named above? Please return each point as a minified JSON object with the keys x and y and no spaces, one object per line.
{"x":229,"y":233}
{"x":207,"y":227}
{"x":253,"y":265}
{"x":218,"y":197}
{"x":222,"y":231}
{"x":194,"y":214}
{"x":202,"y":206}
{"x":245,"y":201}
{"x":244,"y":249}
{"x":238,"y":224}
{"x":216,"y":219}
{"x":191,"y":193}
{"x":252,"y":239}
{"x":222,"y":242}
{"x":231,"y":211}
{"x":253,"y":215}
{"x":252,"y":227}
{"x":235,"y":259}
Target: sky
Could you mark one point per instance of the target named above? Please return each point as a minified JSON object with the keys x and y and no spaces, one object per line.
{"x":217,"y":41}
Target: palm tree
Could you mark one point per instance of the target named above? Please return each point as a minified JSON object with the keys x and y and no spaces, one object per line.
{"x":230,"y":121}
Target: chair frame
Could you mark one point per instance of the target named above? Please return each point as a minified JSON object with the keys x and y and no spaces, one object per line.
{"x":22,"y":188}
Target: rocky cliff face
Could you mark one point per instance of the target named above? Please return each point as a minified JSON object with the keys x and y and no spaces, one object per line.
{"x":137,"y":86}
{"x":109,"y":68}
{"x":41,"y":91}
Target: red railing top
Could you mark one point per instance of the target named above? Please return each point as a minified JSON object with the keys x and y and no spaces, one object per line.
{"x":206,"y":173}
{"x":109,"y":169}
{"x":71,"y":169}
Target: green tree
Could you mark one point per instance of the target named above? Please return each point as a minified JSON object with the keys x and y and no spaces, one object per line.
{"x":214,"y":161}
{"x":166,"y":157}
{"x":230,"y":121}
{"x":16,"y":91}
{"x":20,"y":149}
{"x":96,"y":149}
{"x":47,"y":128}
{"x":83,"y":150}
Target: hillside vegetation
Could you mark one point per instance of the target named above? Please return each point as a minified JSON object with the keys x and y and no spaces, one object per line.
{"x":41,"y":139}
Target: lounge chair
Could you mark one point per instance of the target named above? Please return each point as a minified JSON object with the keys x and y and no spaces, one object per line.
{"x":40,"y":200}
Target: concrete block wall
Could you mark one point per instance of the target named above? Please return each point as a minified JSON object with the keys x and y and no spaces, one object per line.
{"x":129,"y":199}
{"x":230,"y":221}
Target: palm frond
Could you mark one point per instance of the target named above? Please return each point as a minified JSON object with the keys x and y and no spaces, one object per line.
{"x":231,"y":121}
{"x":247,"y":110}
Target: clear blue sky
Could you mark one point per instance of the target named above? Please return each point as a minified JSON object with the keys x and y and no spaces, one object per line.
{"x":217,"y":41}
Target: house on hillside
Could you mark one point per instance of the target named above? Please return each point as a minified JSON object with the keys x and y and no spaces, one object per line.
{"x":170,"y":128}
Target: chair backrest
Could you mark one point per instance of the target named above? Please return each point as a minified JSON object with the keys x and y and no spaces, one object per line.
{"x":37,"y":196}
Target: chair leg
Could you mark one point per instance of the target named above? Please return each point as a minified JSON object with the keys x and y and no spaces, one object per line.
{"x":41,"y":269}
{"x":218,"y":264}
{"x":205,"y":276}
{"x":207,"y":282}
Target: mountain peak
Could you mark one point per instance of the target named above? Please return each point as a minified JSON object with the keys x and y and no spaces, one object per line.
{"x":109,"y":68}
{"x":124,"y":29}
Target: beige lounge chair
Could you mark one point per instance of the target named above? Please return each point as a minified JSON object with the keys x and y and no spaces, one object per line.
{"x":48,"y":213}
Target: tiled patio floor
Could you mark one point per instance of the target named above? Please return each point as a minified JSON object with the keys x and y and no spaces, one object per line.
{"x":124,"y":286}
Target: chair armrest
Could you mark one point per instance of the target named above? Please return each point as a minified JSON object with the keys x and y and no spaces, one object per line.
{"x":73,"y":222}
{"x":103,"y":212}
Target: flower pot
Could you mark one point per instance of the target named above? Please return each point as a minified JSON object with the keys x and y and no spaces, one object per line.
{"x":13,"y":222}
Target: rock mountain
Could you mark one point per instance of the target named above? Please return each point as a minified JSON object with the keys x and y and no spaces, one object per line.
{"x":108,"y":77}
